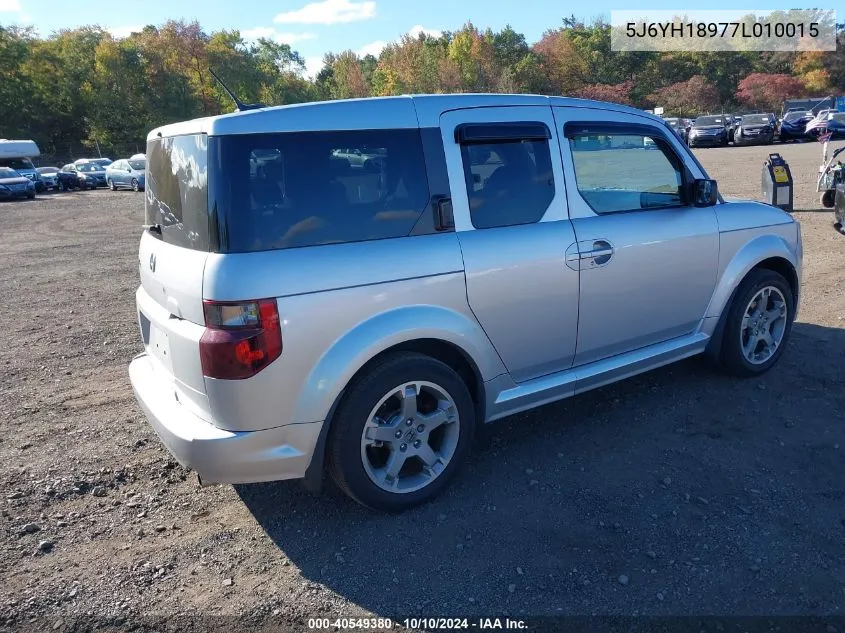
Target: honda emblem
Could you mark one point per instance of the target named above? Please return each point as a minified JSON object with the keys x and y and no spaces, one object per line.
{"x":153,"y":262}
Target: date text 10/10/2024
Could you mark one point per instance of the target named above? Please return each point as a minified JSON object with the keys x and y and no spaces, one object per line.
{"x":385,"y":624}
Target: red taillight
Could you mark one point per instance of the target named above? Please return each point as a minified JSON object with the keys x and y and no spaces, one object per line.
{"x":241,"y":338}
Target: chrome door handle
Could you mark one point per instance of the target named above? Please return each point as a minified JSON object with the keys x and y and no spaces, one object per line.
{"x":600,"y":254}
{"x":588,"y":254}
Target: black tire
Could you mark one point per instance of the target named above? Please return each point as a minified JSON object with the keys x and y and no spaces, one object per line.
{"x":31,"y":196}
{"x":731,"y":358}
{"x":828,"y":198}
{"x":61,"y":186}
{"x":135,"y":186}
{"x":111,"y":185}
{"x":345,"y":462}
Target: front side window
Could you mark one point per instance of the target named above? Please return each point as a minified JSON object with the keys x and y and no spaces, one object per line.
{"x":289,"y":190}
{"x":509,"y":181}
{"x":622,"y":171}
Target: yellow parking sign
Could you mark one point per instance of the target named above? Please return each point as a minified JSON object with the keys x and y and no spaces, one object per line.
{"x":780,"y":173}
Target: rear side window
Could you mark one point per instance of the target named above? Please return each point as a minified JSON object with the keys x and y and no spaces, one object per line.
{"x":176,"y":194}
{"x":276,"y":191}
{"x":508,"y":173}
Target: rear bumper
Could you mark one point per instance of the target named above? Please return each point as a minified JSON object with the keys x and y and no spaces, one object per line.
{"x":220,"y":456}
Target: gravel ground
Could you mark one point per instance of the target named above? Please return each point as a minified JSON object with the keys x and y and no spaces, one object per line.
{"x":676,"y":492}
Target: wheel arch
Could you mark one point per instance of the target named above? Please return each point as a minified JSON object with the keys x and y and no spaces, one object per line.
{"x":772,"y":253}
{"x":473,"y":365}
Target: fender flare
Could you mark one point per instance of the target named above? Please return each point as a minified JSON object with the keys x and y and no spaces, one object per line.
{"x":327,"y":382}
{"x":756,"y":251}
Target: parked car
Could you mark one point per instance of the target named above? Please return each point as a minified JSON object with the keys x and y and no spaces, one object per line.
{"x":751,"y":129}
{"x":369,"y":160}
{"x":91,"y":175}
{"x":679,"y":127}
{"x":709,"y":131}
{"x":126,"y":174}
{"x":793,"y":126}
{"x":828,"y":121}
{"x":49,"y":177}
{"x":15,"y":185}
{"x":277,"y":342}
{"x":836,"y":125}
{"x":103,"y":162}
{"x":68,"y":178}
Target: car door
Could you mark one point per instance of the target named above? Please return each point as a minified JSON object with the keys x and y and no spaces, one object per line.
{"x":648,"y":259}
{"x":509,"y":207}
{"x":121,"y":173}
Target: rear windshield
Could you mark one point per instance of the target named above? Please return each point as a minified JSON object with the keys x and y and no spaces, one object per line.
{"x":276,"y":191}
{"x":176,"y":194}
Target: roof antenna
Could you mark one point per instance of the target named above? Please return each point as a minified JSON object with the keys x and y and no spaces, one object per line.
{"x":240,"y":106}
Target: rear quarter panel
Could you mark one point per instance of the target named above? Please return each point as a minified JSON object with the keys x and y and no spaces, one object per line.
{"x":340,"y":305}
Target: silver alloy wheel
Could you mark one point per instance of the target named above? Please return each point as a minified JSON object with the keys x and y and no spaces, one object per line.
{"x":410,"y":437}
{"x":763,"y":325}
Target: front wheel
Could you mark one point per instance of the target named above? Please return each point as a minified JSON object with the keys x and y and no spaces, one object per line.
{"x":401,"y":433}
{"x":135,"y":186}
{"x":758,"y":324}
{"x":828,"y":198}
{"x":111,"y":184}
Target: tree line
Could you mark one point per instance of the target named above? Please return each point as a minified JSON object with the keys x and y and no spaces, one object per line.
{"x":84,"y":88}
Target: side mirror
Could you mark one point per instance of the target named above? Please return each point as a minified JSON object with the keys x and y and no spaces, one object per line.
{"x":705,"y":193}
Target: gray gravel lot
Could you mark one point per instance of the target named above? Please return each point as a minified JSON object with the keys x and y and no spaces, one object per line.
{"x":676,"y":492}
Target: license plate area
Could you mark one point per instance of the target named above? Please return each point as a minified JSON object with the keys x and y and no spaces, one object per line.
{"x":157,"y":342}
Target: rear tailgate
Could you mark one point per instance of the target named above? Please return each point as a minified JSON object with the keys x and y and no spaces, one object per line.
{"x":170,"y":315}
{"x":171,"y":264}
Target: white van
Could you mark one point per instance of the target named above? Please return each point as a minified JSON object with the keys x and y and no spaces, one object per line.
{"x":18,"y":155}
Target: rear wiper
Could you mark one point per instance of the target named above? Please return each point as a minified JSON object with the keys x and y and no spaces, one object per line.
{"x":153,"y":228}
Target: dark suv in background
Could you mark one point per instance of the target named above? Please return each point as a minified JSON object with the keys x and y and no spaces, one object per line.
{"x":709,"y":131}
{"x":755,"y":129}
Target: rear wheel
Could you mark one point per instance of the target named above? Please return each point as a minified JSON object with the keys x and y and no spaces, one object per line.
{"x":758,"y":324}
{"x":828,"y":198}
{"x":401,"y":433}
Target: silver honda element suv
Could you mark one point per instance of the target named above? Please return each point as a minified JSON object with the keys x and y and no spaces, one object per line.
{"x":354,"y":286}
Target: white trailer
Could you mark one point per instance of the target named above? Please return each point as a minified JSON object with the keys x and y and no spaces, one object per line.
{"x":18,"y":155}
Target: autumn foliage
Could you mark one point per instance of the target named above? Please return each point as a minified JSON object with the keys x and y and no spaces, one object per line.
{"x":84,"y":86}
{"x":762,"y":91}
{"x":696,"y":94}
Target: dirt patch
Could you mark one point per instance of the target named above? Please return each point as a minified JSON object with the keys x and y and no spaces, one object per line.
{"x":708,"y":495}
